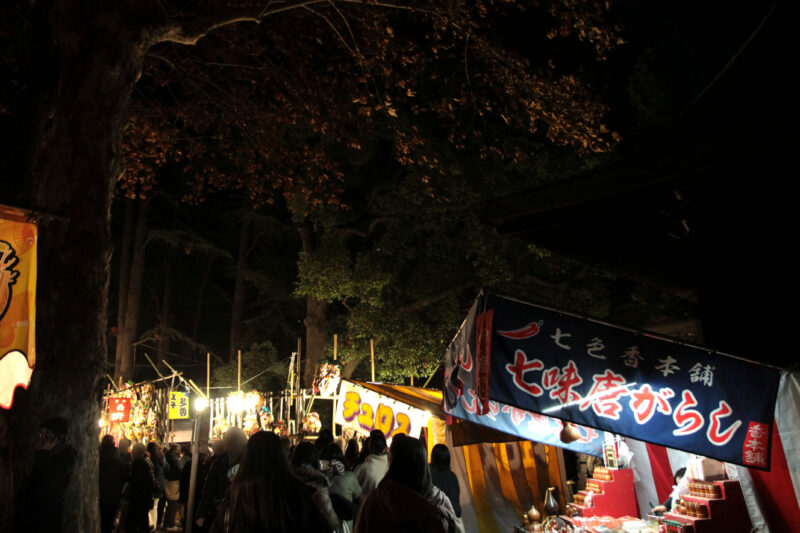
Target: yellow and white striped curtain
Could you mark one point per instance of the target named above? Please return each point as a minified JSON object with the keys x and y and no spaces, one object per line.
{"x":500,"y":481}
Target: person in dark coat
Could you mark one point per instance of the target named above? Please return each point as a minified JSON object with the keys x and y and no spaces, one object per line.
{"x":203,"y":461}
{"x":41,"y":502}
{"x":351,"y":454}
{"x":172,"y":479}
{"x":141,"y":486}
{"x":124,"y":450}
{"x":443,"y":477}
{"x":220,"y":474}
{"x":305,"y":466}
{"x":159,"y":469}
{"x":113,"y":475}
{"x":265,"y":497}
{"x":406,"y":499}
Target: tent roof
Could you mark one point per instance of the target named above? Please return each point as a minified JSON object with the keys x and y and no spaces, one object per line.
{"x":423,"y":399}
{"x":463,"y":432}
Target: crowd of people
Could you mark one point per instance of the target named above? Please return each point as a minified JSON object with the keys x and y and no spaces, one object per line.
{"x":265,"y":484}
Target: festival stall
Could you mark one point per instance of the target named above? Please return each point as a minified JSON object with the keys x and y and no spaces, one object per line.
{"x":251,"y":411}
{"x":138,"y":412}
{"x":648,"y":397}
{"x":501,"y":475}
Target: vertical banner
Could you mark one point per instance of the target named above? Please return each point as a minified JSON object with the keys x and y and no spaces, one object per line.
{"x":178,"y":405}
{"x":119,"y":410}
{"x":17,"y":305}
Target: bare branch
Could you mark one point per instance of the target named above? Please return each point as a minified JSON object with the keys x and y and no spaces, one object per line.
{"x":191,"y":30}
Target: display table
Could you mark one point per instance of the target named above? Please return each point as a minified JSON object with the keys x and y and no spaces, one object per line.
{"x":727,"y":513}
{"x":617,"y":496}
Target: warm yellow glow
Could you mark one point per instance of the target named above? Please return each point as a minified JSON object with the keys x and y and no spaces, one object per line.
{"x":236,"y":403}
{"x":200,"y":404}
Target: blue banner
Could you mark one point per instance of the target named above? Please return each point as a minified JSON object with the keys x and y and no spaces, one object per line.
{"x":624,"y":382}
{"x":461,"y":401}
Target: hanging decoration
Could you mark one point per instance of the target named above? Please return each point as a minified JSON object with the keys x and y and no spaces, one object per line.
{"x":329,"y":374}
{"x":312,"y":423}
{"x":17,"y":303}
{"x":143,"y":414}
{"x":246,"y":410}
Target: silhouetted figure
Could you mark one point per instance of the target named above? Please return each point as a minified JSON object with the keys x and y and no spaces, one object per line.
{"x":351,"y":454}
{"x":172,"y":481}
{"x":265,"y":497}
{"x":305,"y":465}
{"x":342,"y":483}
{"x":141,"y":486}
{"x":443,"y":477}
{"x":406,"y":499}
{"x":124,"y":449}
{"x":41,"y":502}
{"x":203,"y":461}
{"x":159,"y":468}
{"x":220,"y":474}
{"x":113,"y":475}
{"x":375,"y":466}
{"x":324,"y":438}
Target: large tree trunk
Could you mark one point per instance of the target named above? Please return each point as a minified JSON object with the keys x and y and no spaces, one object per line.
{"x":85,"y":63}
{"x":124,"y":270}
{"x":316,"y":321}
{"x":125,"y":364}
{"x":240,"y":291}
{"x":164,"y":344}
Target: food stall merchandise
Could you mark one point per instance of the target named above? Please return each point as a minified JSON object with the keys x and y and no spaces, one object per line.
{"x":609,"y":492}
{"x":710,"y":510}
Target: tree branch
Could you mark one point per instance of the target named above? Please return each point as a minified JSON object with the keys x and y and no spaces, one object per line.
{"x":428,"y":301}
{"x":191,"y":30}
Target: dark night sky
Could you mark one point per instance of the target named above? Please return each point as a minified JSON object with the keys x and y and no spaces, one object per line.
{"x":719,"y":221}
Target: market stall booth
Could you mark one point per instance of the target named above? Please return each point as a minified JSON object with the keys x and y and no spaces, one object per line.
{"x":532,"y":362}
{"x":138,"y":412}
{"x":501,"y":472}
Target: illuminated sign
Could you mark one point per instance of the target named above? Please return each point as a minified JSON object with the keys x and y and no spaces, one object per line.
{"x":119,"y":410}
{"x":365,"y":410}
{"x":178,"y":405}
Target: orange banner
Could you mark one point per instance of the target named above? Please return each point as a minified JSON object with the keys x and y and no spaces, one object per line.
{"x":17,"y":306}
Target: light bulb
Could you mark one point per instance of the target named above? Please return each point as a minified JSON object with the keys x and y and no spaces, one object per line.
{"x":200,"y":404}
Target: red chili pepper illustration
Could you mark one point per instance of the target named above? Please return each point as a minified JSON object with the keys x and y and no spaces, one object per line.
{"x":525,"y":332}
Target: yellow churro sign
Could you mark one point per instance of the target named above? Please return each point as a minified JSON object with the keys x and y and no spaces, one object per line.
{"x":17,"y":304}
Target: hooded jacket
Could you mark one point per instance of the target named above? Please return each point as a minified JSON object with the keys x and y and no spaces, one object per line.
{"x":395,"y":508}
{"x":318,"y":483}
{"x":371,"y":472}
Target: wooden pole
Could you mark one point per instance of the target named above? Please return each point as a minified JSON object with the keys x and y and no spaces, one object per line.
{"x":299,"y":351}
{"x":239,"y":373}
{"x":412,"y":381}
{"x":193,"y":474}
{"x":372,"y":357}
{"x":208,"y":375}
{"x":335,"y":345}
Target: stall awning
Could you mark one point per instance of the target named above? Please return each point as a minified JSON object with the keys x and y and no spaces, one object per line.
{"x":602,"y":376}
{"x":419,"y":398}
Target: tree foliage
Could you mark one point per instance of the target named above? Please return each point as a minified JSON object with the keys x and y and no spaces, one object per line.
{"x":262,"y":370}
{"x":379,"y":127}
